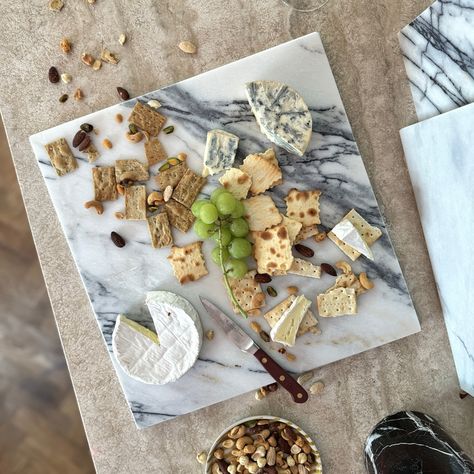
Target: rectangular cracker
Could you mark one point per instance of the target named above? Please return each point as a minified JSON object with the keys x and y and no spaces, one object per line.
{"x":272,"y":250}
{"x":292,"y":226}
{"x":303,"y":206}
{"x":337,"y":302}
{"x":171,"y":176}
{"x":61,"y":157}
{"x":188,"y":262}
{"x":154,"y":152}
{"x":306,"y":233}
{"x":304,"y":268}
{"x":179,"y":216}
{"x":188,"y":188}
{"x":131,"y":170}
{"x":160,"y":230}
{"x":261,"y":212}
{"x":308,"y":324}
{"x":236,"y":182}
{"x":105,"y":186}
{"x":147,"y":119}
{"x":264,"y":170}
{"x":368,"y":232}
{"x":135,"y":203}
{"x":248,"y":293}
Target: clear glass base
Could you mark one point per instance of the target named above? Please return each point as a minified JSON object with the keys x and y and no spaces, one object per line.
{"x":305,"y":5}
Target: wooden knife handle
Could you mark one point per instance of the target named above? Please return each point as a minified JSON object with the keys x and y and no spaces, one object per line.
{"x":299,"y":394}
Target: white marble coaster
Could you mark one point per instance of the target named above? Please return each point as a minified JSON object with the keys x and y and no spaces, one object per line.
{"x":440,"y":157}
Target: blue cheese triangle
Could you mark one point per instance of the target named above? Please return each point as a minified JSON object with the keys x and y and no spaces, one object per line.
{"x":219,"y":155}
{"x":282,"y":115}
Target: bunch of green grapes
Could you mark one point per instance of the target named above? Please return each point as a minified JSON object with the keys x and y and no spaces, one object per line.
{"x":221,"y":219}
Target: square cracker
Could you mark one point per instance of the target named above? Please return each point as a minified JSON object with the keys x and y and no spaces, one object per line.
{"x":135,"y":203}
{"x":264,"y":170}
{"x":188,"y":262}
{"x":179,"y":216}
{"x":261,"y":212}
{"x":292,"y":226}
{"x":188,"y":188}
{"x":105,"y":186}
{"x":303,"y":206}
{"x":272,"y":250}
{"x":160,"y":230}
{"x":248,"y":293}
{"x":368,"y":232}
{"x":304,"y":268}
{"x":133,"y":170}
{"x":337,"y":302}
{"x":308,"y":324}
{"x":154,"y":152}
{"x":171,"y":176}
{"x":147,"y":119}
{"x":61,"y":156}
{"x":236,"y":182}
{"x":306,"y":233}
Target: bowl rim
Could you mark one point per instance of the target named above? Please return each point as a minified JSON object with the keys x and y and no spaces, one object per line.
{"x":315,"y":451}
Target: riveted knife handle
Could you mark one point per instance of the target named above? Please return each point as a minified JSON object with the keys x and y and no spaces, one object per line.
{"x":299,"y":394}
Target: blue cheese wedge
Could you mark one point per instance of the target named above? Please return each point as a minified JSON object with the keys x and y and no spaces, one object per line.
{"x":282,"y":114}
{"x":219,"y":155}
{"x":286,"y":328}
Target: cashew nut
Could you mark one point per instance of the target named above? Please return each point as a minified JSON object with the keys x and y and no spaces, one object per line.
{"x":134,"y":137}
{"x":154,"y":198}
{"x":121,"y":189}
{"x":365,"y":282}
{"x":97,"y":205}
{"x":344,"y":266}
{"x":119,"y":215}
{"x":201,"y":457}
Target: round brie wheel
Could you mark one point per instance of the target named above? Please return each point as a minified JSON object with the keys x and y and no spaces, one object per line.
{"x":163,"y":357}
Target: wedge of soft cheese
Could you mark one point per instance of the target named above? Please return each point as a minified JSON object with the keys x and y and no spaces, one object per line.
{"x":282,"y":114}
{"x":347,"y":232}
{"x":219,"y":155}
{"x":287,"y":326}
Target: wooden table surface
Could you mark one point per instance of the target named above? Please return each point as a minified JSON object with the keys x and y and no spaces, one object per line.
{"x":360,"y":37}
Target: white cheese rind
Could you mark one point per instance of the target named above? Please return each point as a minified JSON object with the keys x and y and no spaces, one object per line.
{"x":286,"y":328}
{"x":219,"y":155}
{"x":282,"y":114}
{"x":347,"y":232}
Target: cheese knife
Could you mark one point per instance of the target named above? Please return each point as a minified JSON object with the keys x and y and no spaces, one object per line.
{"x":246,"y":344}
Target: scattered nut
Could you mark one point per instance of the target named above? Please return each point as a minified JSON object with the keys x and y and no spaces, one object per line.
{"x":97,"y":64}
{"x":117,"y":239}
{"x":201,"y":457}
{"x":119,"y":215}
{"x":271,"y":291}
{"x":107,"y":143}
{"x":66,"y":78}
{"x":53,"y":75}
{"x":344,"y":266}
{"x":109,"y":57}
{"x":329,"y":269}
{"x":56,"y":5}
{"x":135,"y":137}
{"x":90,"y":2}
{"x":187,"y":47}
{"x":262,"y":278}
{"x":84,"y":143}
{"x":167,"y":193}
{"x":305,"y":251}
{"x":182,"y":156}
{"x":154,"y":198}
{"x":122,"y":39}
{"x":264,"y":336}
{"x":255,"y":327}
{"x":365,"y":282}
{"x":306,"y":377}
{"x":319,"y":237}
{"x":291,"y":357}
{"x":123,"y":93}
{"x":97,"y":205}
{"x":317,"y":388}
{"x":78,"y":95}
{"x":120,"y":189}
{"x":87,"y":59}
{"x":292,"y":290}
{"x":119,"y":118}
{"x":65,"y":45}
{"x":259,"y":395}
{"x":133,"y":128}
{"x":63,"y":98}
{"x":154,"y":104}
{"x":169,"y":129}
{"x":87,"y":127}
{"x":210,"y":335}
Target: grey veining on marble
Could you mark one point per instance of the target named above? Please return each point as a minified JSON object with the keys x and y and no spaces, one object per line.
{"x":438,"y":51}
{"x":440,"y":159}
{"x":117,"y":279}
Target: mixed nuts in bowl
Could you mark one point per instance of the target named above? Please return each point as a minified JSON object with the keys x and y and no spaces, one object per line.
{"x":263,"y":445}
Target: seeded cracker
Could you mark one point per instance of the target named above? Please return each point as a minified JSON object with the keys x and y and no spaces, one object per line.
{"x":308,"y":324}
{"x":188,"y":262}
{"x":292,"y":226}
{"x":61,"y":157}
{"x":105,"y":187}
{"x":303,"y":206}
{"x":306,"y":233}
{"x":248,"y":293}
{"x":368,"y":232}
{"x":188,"y":188}
{"x":154,"y":152}
{"x":272,"y":250}
{"x":261,"y":212}
{"x":171,"y":176}
{"x":147,"y":119}
{"x":264,"y":170}
{"x":179,"y":216}
{"x":304,"y":268}
{"x":237,"y":182}
{"x":133,"y":170}
{"x":160,"y":230}
{"x":135,"y":203}
{"x":337,"y":302}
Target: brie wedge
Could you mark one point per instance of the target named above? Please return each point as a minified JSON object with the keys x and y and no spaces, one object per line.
{"x":287,"y":326}
{"x":347,"y":232}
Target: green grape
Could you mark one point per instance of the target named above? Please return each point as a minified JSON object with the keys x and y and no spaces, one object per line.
{"x":216,"y":256}
{"x":208,"y":213}
{"x":226,"y":236}
{"x":225,"y":203}
{"x":239,"y":210}
{"x":196,"y":207}
{"x":216,"y":193}
{"x":203,"y":230}
{"x":240,"y":248}
{"x":239,"y":227}
{"x":236,"y":268}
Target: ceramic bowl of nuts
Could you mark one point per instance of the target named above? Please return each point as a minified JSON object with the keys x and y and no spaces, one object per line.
{"x":263,"y":445}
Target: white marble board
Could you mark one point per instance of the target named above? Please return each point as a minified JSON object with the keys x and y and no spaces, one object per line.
{"x":117,"y":279}
{"x":440,"y":160}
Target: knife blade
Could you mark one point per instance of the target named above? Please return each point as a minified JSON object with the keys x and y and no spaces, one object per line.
{"x":246,"y":344}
